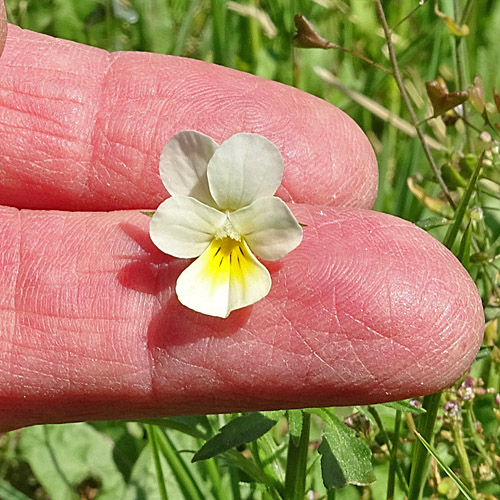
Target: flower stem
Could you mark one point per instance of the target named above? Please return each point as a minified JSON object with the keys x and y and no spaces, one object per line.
{"x":151,"y":432}
{"x":458,"y":441}
{"x":406,"y":99}
{"x":391,"y":480}
{"x":420,"y":461}
{"x":460,"y":61}
{"x":296,"y":467}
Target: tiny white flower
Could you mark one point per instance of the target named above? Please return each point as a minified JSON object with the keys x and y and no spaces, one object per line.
{"x":222,"y":210}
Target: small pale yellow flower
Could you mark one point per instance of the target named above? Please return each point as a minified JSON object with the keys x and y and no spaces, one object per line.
{"x":222,"y":210}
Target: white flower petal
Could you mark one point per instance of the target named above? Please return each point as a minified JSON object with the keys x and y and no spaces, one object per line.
{"x":242,"y":169}
{"x":183,"y":165}
{"x":225,"y":277}
{"x":269,"y":227}
{"x":184,"y":227}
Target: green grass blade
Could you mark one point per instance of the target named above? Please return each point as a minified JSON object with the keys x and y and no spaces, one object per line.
{"x":185,"y":28}
{"x":152,"y":436}
{"x":420,"y":461}
{"x":461,"y":486}
{"x":452,"y":232}
{"x":219,"y":15}
{"x":179,"y":468}
{"x":8,"y":492}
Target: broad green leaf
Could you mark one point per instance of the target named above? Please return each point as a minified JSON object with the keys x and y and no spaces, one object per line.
{"x":404,"y":406}
{"x":273,"y":415}
{"x":196,"y":426}
{"x":333,"y":477}
{"x":63,"y":456}
{"x":352,"y":455}
{"x":239,"y":431}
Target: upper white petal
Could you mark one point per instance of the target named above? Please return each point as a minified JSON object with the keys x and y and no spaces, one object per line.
{"x":183,"y":165}
{"x":225,"y":277}
{"x":269,"y":227}
{"x":184,"y":227}
{"x":242,"y":169}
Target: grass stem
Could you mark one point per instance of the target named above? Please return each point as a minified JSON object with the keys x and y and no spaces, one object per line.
{"x":420,"y":460}
{"x":152,"y":437}
{"x":406,"y":99}
{"x":296,"y":467}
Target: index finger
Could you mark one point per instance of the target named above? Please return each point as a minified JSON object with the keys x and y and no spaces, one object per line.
{"x":82,"y":129}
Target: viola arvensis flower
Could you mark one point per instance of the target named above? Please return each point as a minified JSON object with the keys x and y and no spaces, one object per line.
{"x":222,"y":210}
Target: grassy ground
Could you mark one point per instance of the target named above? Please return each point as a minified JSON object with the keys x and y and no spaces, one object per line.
{"x":123,"y":459}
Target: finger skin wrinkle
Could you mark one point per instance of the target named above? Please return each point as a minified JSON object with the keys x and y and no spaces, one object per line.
{"x":98,"y":320}
{"x":108,"y":117}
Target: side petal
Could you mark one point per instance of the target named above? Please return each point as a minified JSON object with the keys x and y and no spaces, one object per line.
{"x":225,"y":277}
{"x":244,"y":168}
{"x":183,"y":165}
{"x":269,"y":227}
{"x":184,"y":227}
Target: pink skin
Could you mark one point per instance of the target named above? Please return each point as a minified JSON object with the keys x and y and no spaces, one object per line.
{"x":368,"y":308}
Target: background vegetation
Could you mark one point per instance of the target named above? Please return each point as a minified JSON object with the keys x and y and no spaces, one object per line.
{"x":347,"y":453}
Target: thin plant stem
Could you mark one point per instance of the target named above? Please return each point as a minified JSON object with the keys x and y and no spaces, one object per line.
{"x":420,"y":460}
{"x":255,"y":36}
{"x":463,"y":459}
{"x":393,"y":461}
{"x":215,"y":478}
{"x":296,"y":467}
{"x":469,"y":415}
{"x":406,"y":99}
{"x":460,"y":61}
{"x":219,"y":14}
{"x":420,"y":4}
{"x":466,"y":12}
{"x":151,"y":432}
{"x":179,"y":468}
{"x":390,"y":444}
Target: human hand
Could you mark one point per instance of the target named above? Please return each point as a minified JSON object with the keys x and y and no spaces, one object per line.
{"x":368,"y":308}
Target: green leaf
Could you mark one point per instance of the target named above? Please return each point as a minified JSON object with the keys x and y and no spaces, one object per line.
{"x":273,"y":415}
{"x":404,"y":406}
{"x":465,"y":244}
{"x":331,"y":471}
{"x":352,"y":455}
{"x":63,"y":456}
{"x":452,"y":177}
{"x":8,"y":492}
{"x":149,"y":214}
{"x":196,"y":426}
{"x":251,"y":470}
{"x":432,"y":222}
{"x":239,"y":431}
{"x":452,"y":232}
{"x":484,"y":352}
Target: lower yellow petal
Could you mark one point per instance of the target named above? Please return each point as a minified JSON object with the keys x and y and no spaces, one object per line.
{"x":225,"y":277}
